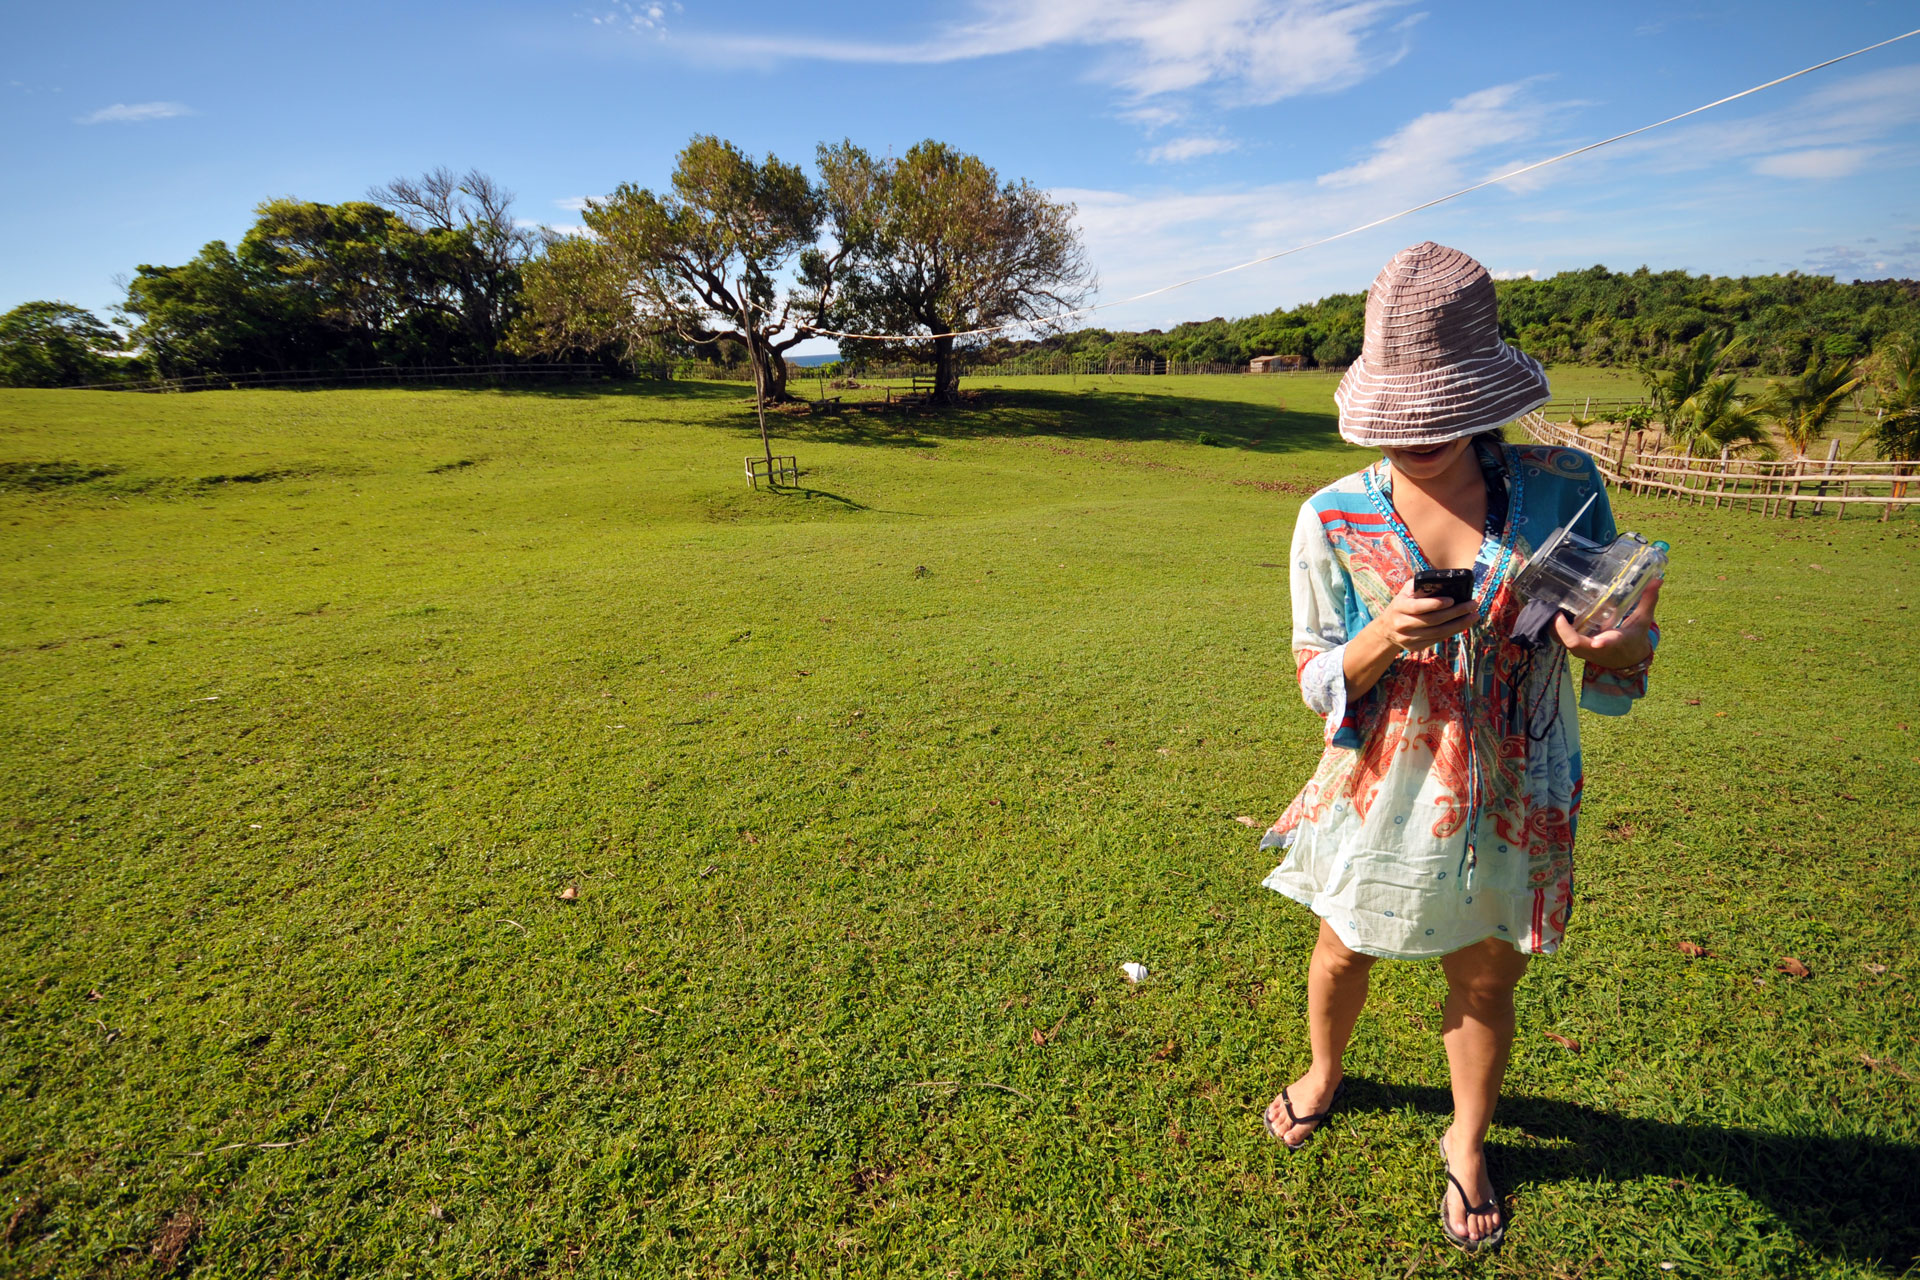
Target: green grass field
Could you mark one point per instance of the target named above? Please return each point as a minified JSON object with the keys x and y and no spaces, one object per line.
{"x":318,"y":703}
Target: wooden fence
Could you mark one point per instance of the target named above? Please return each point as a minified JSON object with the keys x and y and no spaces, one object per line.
{"x":1780,"y":487}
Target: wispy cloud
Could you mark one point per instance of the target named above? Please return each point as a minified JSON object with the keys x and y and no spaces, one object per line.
{"x":1850,"y":114}
{"x":1433,"y":144}
{"x":1865,"y":262}
{"x":135,"y":113}
{"x":1180,"y":150}
{"x":1818,"y":162}
{"x":1243,"y":52}
{"x":573,"y":204}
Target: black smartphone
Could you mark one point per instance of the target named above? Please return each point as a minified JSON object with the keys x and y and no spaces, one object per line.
{"x":1455,"y":586}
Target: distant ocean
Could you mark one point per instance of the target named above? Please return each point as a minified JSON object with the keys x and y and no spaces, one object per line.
{"x":810,"y":361}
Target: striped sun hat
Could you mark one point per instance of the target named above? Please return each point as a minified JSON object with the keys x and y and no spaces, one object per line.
{"x":1433,"y":367}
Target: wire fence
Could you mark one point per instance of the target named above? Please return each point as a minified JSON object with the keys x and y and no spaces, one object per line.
{"x":378,"y":375}
{"x":1773,"y":487}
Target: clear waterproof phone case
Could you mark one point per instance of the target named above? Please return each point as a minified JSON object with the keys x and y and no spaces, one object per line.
{"x":1597,"y":584}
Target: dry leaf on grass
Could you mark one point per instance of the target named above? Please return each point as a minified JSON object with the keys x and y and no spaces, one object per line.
{"x":1245,"y":821}
{"x":569,"y":894}
{"x":1693,"y":950}
{"x":1565,"y":1042}
{"x":1875,"y":969}
{"x":749,"y":837}
{"x":1164,"y":1052}
{"x":1790,"y":965}
{"x":1041,"y":1037}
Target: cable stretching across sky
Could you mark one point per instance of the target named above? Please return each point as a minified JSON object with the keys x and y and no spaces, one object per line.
{"x":1365,"y":226}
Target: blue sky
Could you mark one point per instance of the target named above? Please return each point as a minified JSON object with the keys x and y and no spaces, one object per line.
{"x":1191,"y":134}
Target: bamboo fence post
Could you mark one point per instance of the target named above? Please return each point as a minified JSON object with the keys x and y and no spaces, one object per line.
{"x":1721,"y":491}
{"x":1833,"y":447}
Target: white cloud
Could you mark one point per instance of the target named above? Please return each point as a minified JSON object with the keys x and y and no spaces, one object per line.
{"x":1851,"y":113}
{"x":1531,"y":273}
{"x":1847,"y":262}
{"x":574,"y":204}
{"x":644,"y":18}
{"x":1247,"y":52}
{"x":1818,"y":162}
{"x":1435,"y":143}
{"x":135,"y":113}
{"x":1180,"y":150}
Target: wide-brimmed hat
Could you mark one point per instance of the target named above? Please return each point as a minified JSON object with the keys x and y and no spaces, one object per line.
{"x":1433,"y":367}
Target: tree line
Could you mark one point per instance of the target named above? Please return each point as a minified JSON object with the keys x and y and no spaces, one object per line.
{"x":1595,"y":316}
{"x":736,"y":259}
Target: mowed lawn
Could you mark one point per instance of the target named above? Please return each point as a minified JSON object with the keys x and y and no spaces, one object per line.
{"x":468,"y":832}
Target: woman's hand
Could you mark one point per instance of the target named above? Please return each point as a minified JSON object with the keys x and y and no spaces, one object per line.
{"x":1408,"y":624}
{"x":1627,"y":645}
{"x":1411,"y":623}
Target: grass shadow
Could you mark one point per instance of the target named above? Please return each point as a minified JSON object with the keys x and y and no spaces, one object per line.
{"x":1096,"y":414}
{"x":1850,"y":1198}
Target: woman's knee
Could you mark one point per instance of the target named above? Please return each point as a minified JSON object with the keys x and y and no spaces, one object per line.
{"x":1483,"y":976}
{"x":1337,"y":959}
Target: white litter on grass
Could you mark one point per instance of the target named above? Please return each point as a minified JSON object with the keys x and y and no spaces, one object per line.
{"x":1135,"y":971}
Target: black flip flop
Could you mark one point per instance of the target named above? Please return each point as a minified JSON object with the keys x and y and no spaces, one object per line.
{"x":1316,"y":1120}
{"x":1487,"y":1243}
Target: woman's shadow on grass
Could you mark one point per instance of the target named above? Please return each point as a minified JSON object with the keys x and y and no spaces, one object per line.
{"x":1851,"y":1198}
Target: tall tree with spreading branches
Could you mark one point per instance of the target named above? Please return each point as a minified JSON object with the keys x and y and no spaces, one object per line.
{"x":936,"y":244}
{"x":701,"y":263}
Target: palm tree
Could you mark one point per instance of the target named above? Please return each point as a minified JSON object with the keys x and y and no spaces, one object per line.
{"x":1804,"y":406}
{"x":1718,"y":417}
{"x":1895,"y":433}
{"x":1670,"y":384}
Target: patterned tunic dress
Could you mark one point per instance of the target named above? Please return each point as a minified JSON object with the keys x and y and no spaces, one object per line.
{"x":1443,"y":811}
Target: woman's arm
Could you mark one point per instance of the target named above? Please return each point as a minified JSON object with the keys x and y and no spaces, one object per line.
{"x":1408,"y":624}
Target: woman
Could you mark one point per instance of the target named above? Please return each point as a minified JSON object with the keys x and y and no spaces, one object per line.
{"x":1440,"y":822}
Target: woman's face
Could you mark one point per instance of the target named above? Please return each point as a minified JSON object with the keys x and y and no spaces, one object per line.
{"x":1429,"y":461}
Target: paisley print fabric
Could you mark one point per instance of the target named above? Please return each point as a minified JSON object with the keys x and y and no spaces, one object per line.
{"x":1445,"y":806}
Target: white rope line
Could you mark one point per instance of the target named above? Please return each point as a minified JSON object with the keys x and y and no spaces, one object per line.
{"x":1351,"y":231}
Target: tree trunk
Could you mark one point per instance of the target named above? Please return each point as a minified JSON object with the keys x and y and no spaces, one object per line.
{"x":946,"y":380}
{"x":769,"y":370}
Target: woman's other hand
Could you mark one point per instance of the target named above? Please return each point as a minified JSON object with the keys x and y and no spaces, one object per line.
{"x":1627,"y":645}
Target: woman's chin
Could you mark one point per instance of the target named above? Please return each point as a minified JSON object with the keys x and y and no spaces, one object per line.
{"x":1426,"y":461}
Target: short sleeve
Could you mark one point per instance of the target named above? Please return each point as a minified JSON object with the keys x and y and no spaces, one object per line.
{"x":1320,"y":609}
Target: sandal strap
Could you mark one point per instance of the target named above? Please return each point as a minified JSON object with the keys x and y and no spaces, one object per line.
{"x":1287,"y":1104}
{"x":1491,"y":1206}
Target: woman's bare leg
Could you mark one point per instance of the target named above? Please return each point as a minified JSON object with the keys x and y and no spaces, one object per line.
{"x":1478,"y":1033}
{"x":1336,"y":990}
